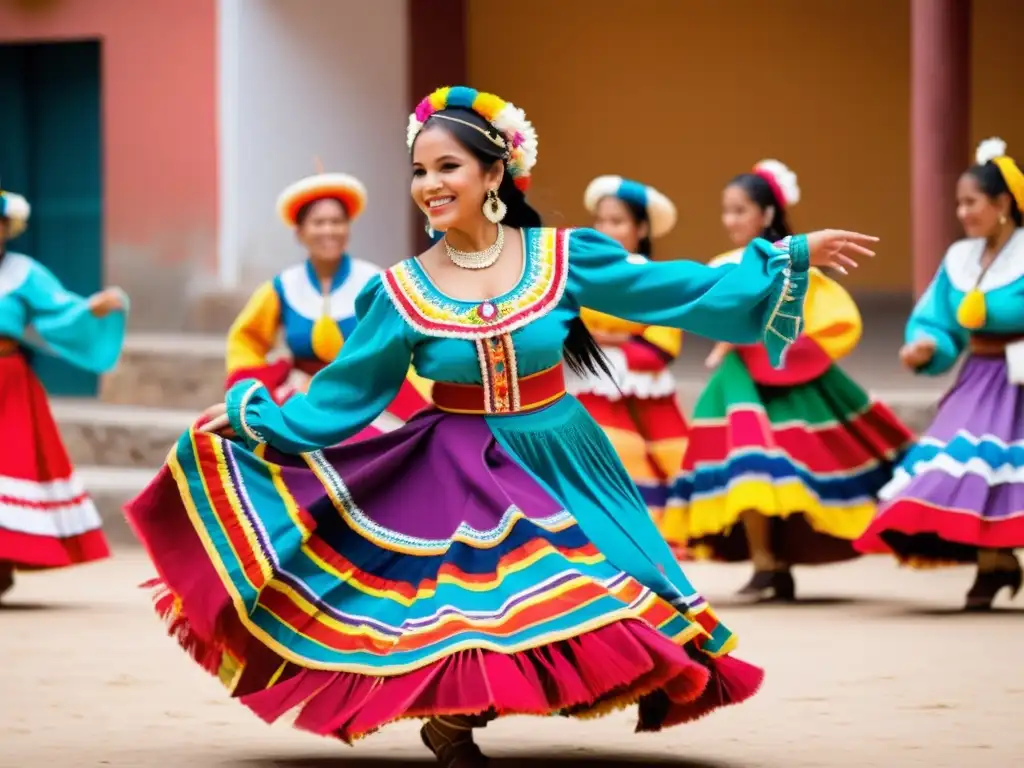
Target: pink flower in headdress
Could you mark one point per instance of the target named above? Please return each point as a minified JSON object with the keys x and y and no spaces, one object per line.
{"x":424,"y":110}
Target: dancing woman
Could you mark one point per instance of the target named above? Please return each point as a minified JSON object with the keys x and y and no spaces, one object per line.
{"x":492,"y":556}
{"x":783,"y":463}
{"x":958,"y":496}
{"x":47,"y":519}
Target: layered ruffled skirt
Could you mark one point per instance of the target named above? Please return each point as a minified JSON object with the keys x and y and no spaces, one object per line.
{"x":458,"y":565}
{"x":810,"y":457}
{"x":961,"y":487}
{"x":47,"y":519}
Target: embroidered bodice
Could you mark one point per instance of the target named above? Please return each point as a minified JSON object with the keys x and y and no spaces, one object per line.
{"x":935,"y":314}
{"x":403,"y":316}
{"x":31,"y":296}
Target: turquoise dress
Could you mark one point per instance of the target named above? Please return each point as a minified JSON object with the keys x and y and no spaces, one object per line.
{"x":497,"y":563}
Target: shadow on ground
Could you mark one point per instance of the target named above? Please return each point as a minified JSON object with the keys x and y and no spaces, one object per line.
{"x":34,"y":607}
{"x":519,"y":761}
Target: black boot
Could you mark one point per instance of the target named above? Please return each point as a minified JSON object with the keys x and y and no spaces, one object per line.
{"x":987,"y":585}
{"x":6,"y":578}
{"x":451,"y":741}
{"x":771,"y":586}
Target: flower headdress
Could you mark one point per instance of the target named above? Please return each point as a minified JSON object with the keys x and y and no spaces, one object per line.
{"x":994,"y":151}
{"x":16,"y":210}
{"x":782,"y":181}
{"x":520,"y":138}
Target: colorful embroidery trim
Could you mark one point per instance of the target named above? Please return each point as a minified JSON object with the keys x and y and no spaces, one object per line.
{"x":499,"y":373}
{"x":538,"y":292}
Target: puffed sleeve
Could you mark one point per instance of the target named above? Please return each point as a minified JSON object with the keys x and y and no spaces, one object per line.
{"x":66,"y":324}
{"x":934,"y":317}
{"x":344,"y":397}
{"x":831,"y":317}
{"x":251,"y":337}
{"x":760,"y":298}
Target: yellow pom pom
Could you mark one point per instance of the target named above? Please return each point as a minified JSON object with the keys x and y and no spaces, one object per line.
{"x":327,"y":340}
{"x":487,"y":105}
{"x":439,"y":98}
{"x":971,"y":312}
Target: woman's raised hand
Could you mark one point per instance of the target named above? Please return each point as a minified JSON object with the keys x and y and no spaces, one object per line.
{"x":840,"y":249}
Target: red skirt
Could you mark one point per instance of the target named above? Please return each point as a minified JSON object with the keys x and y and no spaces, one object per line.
{"x":47,"y":520}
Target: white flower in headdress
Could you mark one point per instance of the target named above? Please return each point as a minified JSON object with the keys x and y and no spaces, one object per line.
{"x":16,"y":210}
{"x":15,"y":207}
{"x":990,"y":149}
{"x":784,"y":178}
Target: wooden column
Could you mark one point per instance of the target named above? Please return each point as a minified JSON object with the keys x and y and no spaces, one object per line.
{"x":940,"y":117}
{"x":437,"y":57}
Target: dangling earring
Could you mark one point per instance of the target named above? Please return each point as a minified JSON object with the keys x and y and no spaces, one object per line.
{"x":429,"y":230}
{"x":1002,"y":219}
{"x":494,"y":208}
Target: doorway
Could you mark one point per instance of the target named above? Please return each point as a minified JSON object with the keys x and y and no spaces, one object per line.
{"x":51,"y":152}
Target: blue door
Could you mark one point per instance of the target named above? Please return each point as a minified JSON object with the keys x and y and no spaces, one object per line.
{"x":50,"y":151}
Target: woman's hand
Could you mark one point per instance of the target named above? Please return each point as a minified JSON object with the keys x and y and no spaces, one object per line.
{"x":917,"y":354}
{"x":839,"y":249}
{"x":215,"y":419}
{"x":106,"y":301}
{"x":718,"y":354}
{"x":298,"y":380}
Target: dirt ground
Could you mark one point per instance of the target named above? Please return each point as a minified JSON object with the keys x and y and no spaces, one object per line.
{"x":876,"y":668}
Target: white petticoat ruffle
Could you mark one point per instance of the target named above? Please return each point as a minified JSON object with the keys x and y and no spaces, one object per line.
{"x":644,"y":385}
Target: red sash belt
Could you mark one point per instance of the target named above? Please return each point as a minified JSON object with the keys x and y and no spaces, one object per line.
{"x":528,"y":394}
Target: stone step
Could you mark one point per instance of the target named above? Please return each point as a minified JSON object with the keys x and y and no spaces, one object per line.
{"x":167,"y":371}
{"x":101,"y":434}
{"x":111,"y":488}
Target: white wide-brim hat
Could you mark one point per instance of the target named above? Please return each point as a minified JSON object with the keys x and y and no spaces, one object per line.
{"x":661,"y":212}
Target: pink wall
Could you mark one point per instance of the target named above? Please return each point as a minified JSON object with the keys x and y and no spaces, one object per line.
{"x":160,"y":133}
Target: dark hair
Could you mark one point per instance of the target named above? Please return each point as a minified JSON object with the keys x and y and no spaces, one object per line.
{"x":582,"y":353}
{"x":303,"y":212}
{"x":992,"y":184}
{"x":760,"y":192}
{"x":639,"y":214}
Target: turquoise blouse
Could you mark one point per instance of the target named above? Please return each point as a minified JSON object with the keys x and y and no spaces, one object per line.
{"x":31,"y":296}
{"x":403,"y":317}
{"x":1002,"y":284}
